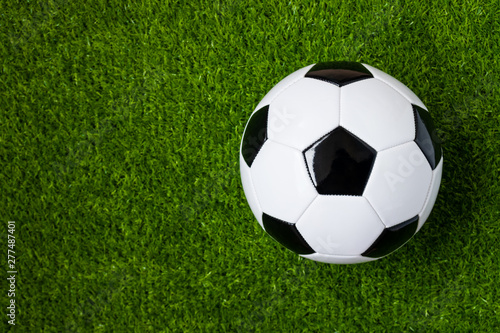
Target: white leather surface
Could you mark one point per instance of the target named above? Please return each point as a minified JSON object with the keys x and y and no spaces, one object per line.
{"x":303,"y":113}
{"x":398,"y":185}
{"x":376,"y":113}
{"x":340,"y":225}
{"x":283,"y":186}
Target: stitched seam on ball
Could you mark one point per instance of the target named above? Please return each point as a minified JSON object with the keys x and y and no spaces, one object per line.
{"x":283,"y":144}
{"x":375,"y":150}
{"x":341,"y":195}
{"x":256,"y":196}
{"x":340,"y":255}
{"x":312,"y":183}
{"x":340,"y":108}
{"x":426,"y":197}
{"x":398,"y":91}
{"x":378,"y":215}
{"x":276,"y":96}
{"x":298,"y":219}
{"x":285,"y":88}
{"x":395,"y":146}
{"x":307,"y":168}
{"x":415,"y":120}
{"x":433,"y":179}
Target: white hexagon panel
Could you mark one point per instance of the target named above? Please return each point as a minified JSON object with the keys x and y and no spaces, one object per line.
{"x":340,"y":163}
{"x":396,"y":85}
{"x":280,"y":179}
{"x":248,"y":188}
{"x":431,"y":195}
{"x":325,"y":228}
{"x":282,"y":86}
{"x":399,"y":182}
{"x":308,"y":107}
{"x":377,"y":114}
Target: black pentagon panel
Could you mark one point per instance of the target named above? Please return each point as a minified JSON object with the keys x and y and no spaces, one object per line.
{"x":340,"y":163}
{"x":255,"y":135}
{"x":426,"y":136}
{"x":287,"y":234}
{"x":339,"y":73}
{"x":392,"y":238}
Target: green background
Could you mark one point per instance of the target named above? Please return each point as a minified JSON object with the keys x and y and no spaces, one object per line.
{"x":120,"y":129}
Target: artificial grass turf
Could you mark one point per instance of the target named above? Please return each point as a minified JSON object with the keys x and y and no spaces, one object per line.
{"x":121,"y":124}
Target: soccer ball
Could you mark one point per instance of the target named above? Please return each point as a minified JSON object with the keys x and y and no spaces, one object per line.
{"x":340,"y":163}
